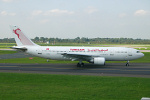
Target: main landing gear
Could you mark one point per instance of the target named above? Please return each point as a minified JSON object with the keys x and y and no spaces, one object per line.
{"x":127,"y":64}
{"x":80,"y":64}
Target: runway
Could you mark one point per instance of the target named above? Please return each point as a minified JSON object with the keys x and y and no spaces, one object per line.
{"x":15,"y":55}
{"x":110,"y":69}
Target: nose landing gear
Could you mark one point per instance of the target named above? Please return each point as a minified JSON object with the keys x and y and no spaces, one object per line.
{"x":127,"y":64}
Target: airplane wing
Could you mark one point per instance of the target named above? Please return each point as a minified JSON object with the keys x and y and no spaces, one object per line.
{"x":76,"y":56}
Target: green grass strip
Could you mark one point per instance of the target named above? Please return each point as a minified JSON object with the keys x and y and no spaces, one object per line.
{"x":34,"y":60}
{"x":15,"y":86}
{"x":7,"y":52}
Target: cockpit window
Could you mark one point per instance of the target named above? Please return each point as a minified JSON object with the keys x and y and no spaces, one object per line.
{"x":138,"y":52}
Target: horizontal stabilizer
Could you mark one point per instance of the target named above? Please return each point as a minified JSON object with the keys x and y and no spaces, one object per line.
{"x":19,"y":48}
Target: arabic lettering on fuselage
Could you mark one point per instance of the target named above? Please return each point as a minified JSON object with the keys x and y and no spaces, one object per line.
{"x":88,"y":50}
{"x":97,"y":50}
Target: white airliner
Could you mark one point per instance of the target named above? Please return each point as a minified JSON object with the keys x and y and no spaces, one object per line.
{"x":95,"y":55}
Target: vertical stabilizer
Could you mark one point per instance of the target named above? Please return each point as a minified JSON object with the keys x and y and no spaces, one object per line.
{"x":20,"y":37}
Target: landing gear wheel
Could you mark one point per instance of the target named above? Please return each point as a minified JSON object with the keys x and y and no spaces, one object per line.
{"x":80,"y":65}
{"x":127,"y":64}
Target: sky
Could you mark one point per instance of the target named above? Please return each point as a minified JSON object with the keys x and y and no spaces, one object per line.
{"x":76,"y":18}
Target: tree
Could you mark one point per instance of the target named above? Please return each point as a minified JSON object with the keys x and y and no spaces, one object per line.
{"x":36,"y":39}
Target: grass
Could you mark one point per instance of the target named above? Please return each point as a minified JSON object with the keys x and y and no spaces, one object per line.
{"x":142,"y":48}
{"x":6,"y":45}
{"x":17,"y":86}
{"x":33,"y":60}
{"x":7,"y":52}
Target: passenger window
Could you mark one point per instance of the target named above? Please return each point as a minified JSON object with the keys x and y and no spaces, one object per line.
{"x":137,"y":51}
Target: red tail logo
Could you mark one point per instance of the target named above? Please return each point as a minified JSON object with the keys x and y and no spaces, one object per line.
{"x":23,"y":39}
{"x":15,"y":31}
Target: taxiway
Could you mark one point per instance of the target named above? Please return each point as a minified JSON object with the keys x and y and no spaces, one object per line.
{"x":114,"y":69}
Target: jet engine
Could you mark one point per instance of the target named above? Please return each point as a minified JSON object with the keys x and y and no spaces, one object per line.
{"x":98,"y":60}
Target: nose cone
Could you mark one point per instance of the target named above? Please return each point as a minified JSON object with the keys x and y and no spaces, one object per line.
{"x":141,"y":55}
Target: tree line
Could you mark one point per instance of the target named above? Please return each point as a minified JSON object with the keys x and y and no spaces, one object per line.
{"x":83,"y":40}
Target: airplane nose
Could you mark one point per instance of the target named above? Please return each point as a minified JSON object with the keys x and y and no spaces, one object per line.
{"x":142,"y":54}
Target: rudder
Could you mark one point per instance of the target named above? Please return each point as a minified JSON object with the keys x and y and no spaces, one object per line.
{"x":20,"y":37}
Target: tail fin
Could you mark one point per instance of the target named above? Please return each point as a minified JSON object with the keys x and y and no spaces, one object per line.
{"x":20,"y":37}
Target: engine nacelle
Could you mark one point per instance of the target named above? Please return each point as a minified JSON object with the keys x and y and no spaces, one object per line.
{"x":99,"y":61}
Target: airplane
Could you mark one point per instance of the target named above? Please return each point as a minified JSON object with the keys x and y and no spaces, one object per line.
{"x":95,"y":55}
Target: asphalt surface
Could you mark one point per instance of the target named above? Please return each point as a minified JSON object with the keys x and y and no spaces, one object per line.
{"x":110,"y":69}
{"x":115,"y":69}
{"x":15,"y":55}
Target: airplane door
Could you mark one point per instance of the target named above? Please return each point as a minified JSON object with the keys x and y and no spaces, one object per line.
{"x":112,"y":52}
{"x":129,"y":52}
{"x":111,"y":56}
{"x":39,"y":51}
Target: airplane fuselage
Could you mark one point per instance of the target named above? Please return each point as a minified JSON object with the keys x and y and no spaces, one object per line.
{"x":109,"y":53}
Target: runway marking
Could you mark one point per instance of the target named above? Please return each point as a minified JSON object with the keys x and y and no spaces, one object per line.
{"x":47,"y":67}
{"x":76,"y":68}
{"x":135,"y":70}
{"x":103,"y":69}
{"x":64,"y":68}
{"x":9,"y":66}
{"x":36,"y":67}
{"x":118,"y":69}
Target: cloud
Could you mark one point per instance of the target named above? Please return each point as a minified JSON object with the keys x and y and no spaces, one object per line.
{"x":7,"y":1}
{"x":53,"y":12}
{"x":141,"y":13}
{"x":58,"y":12}
{"x":122,"y":15}
{"x":11,"y":14}
{"x":44,"y":21}
{"x":4,"y":13}
{"x":37,"y":12}
{"x":91,"y":10}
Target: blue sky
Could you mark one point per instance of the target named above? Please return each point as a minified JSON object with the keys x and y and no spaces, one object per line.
{"x":76,"y":18}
